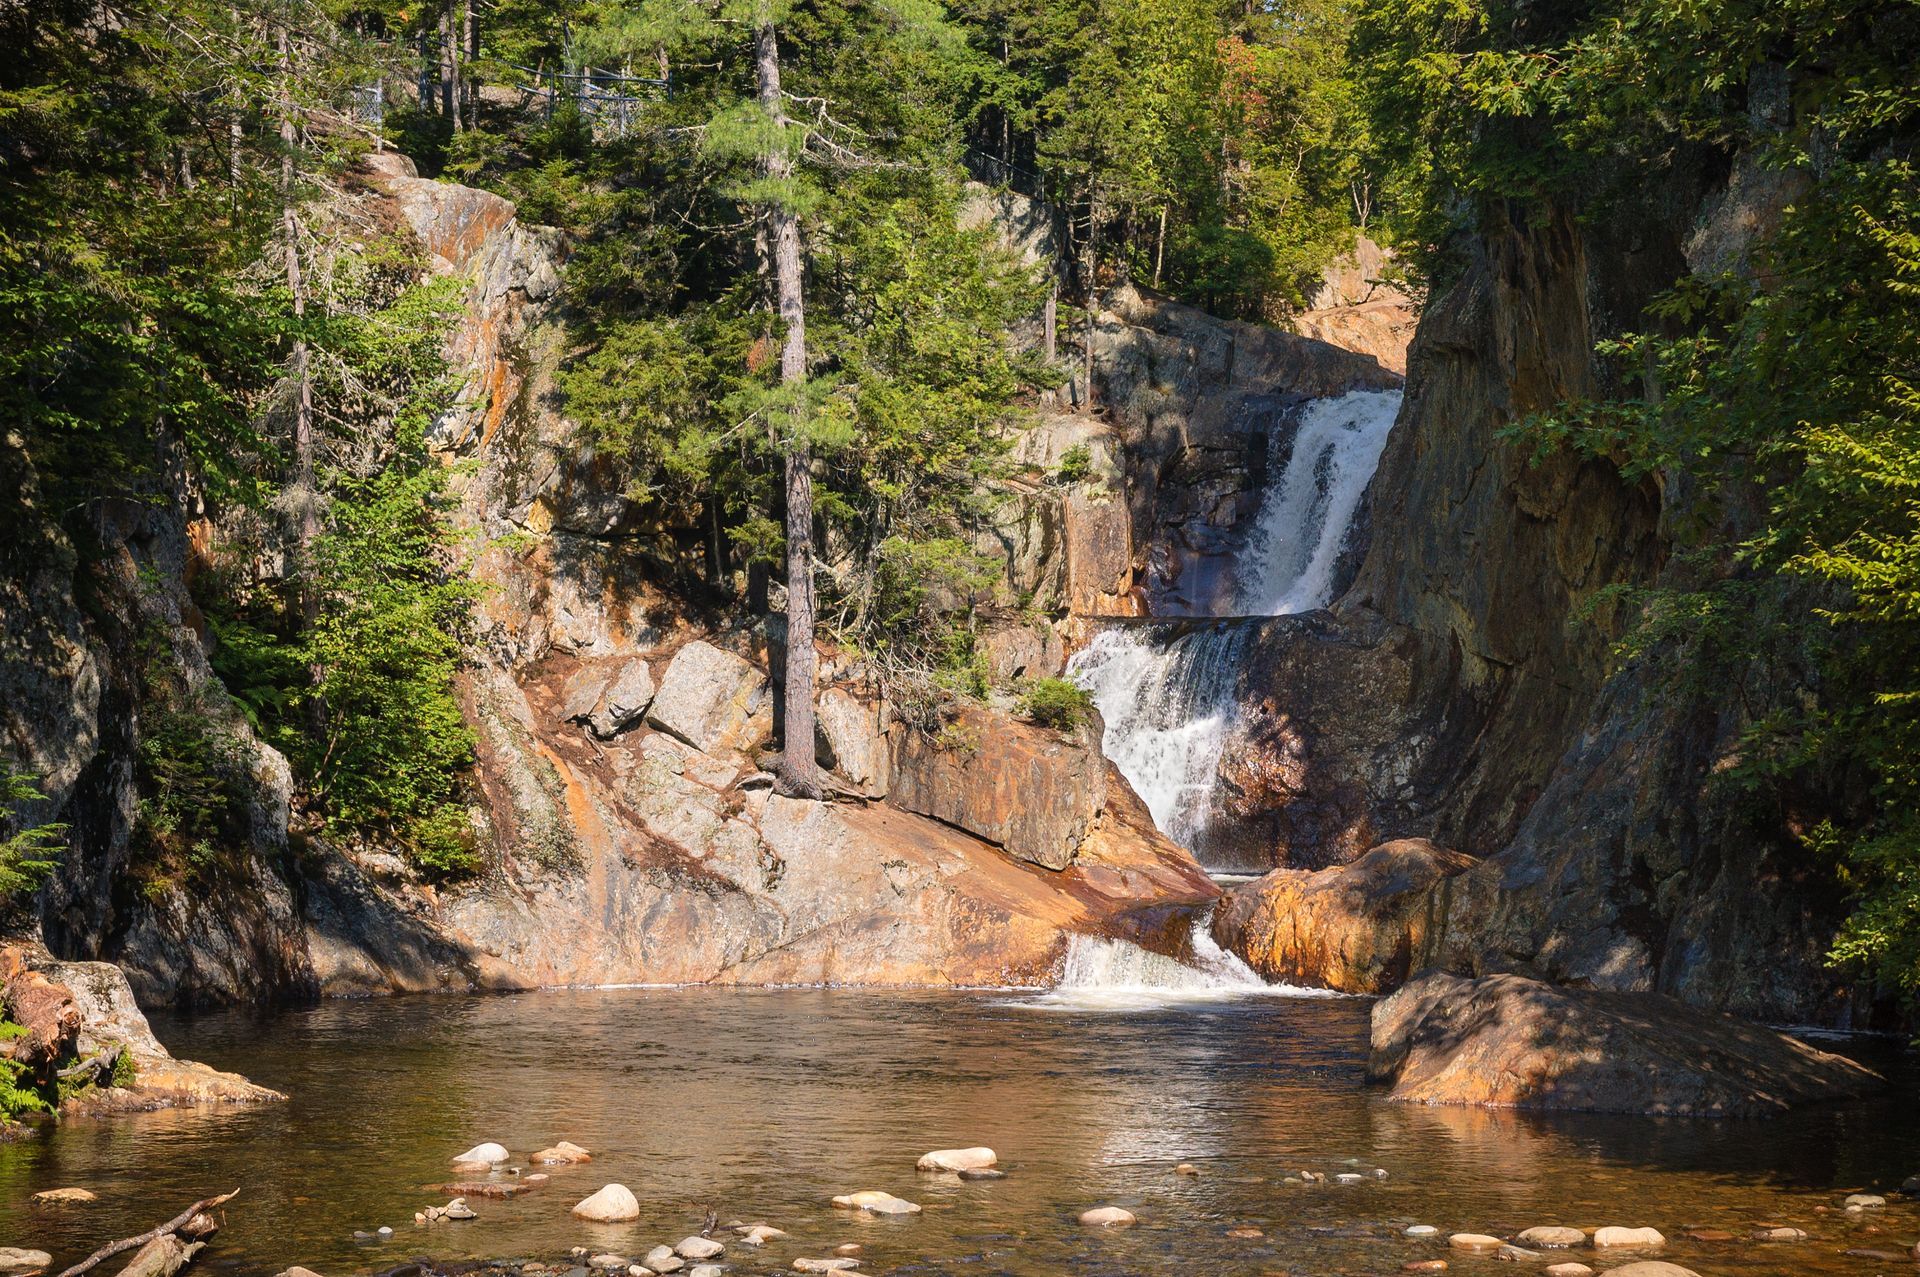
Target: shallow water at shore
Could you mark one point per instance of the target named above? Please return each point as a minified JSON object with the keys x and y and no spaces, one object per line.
{"x":764,"y":1103}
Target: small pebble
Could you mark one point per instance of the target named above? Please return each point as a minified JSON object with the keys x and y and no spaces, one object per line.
{"x":1245,"y":1234}
{"x":706,"y":1270}
{"x":1779,"y":1234}
{"x":848,"y":1248}
{"x":1421,"y":1230}
{"x":1424,"y":1266}
{"x":1866,"y":1201}
{"x":1478,"y":1243}
{"x":1186,"y":1168}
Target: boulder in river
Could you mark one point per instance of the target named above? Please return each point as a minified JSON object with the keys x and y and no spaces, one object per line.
{"x":562,"y":1154}
{"x":14,"y":1259}
{"x":488,"y":1154}
{"x":760,"y":1234}
{"x":877,"y":1203}
{"x":613,"y":1204}
{"x":698,"y":1248}
{"x":64,"y":1197}
{"x":958,"y":1159}
{"x":1108,"y":1217}
{"x":1354,"y":927}
{"x":1618,"y":1238}
{"x":1505,"y":1041}
{"x":1475,"y":1243}
{"x":1551,"y":1236}
{"x":1568,"y":1269}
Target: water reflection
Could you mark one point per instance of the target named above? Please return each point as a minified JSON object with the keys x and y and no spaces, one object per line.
{"x":764,"y":1103}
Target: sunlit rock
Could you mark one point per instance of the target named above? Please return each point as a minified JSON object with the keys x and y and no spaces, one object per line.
{"x":613,"y":1204}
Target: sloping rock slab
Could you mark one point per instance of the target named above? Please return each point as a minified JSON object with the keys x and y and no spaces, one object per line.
{"x":1355,"y":928}
{"x":109,"y":1017}
{"x":1505,"y":1041}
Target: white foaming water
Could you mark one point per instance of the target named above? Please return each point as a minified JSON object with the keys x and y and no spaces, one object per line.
{"x":1303,"y":520}
{"x":1118,"y":975}
{"x":1167,"y":707}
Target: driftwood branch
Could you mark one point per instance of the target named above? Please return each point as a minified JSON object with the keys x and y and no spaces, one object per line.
{"x":114,"y":1248}
{"x":93,"y":1066}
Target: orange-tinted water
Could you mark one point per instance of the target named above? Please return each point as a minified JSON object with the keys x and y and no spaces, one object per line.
{"x":763,"y":1104}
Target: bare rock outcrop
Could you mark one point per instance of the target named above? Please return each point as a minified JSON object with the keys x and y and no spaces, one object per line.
{"x":1036,"y":792}
{"x":93,"y":1008}
{"x":1354,"y":927}
{"x":1509,"y":1042}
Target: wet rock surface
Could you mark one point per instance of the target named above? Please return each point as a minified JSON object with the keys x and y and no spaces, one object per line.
{"x":1510,"y":1042}
{"x":1355,"y":927}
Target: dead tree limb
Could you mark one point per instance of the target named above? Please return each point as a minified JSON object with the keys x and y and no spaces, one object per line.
{"x":114,"y":1248}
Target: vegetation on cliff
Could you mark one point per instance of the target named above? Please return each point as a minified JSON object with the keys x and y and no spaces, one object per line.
{"x":1774,"y":390}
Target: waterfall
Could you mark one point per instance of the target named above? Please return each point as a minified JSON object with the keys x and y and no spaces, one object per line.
{"x":1167,"y":707}
{"x":1118,"y":975}
{"x":1290,"y":558}
{"x":1168,"y":693}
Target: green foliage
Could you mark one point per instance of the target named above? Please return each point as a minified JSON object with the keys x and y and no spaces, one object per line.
{"x":28,"y":853}
{"x":1059,"y":703}
{"x":1783,"y":398}
{"x":360,"y":697}
{"x":1076,"y":463}
{"x":18,"y":1092}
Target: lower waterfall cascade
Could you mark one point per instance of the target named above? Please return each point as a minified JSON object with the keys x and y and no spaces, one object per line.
{"x":1167,"y":693}
{"x":1117,"y":975}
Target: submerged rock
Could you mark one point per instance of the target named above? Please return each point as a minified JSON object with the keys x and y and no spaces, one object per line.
{"x":613,"y":1204}
{"x":1650,"y":1268}
{"x":64,"y":1197}
{"x":1510,"y":1042}
{"x":760,"y":1234}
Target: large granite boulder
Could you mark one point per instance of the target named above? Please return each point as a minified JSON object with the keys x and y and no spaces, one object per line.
{"x":1356,"y":927}
{"x":1506,"y":1041}
{"x":710,"y":698}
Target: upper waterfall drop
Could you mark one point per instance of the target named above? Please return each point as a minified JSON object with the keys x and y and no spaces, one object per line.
{"x":1167,"y":695}
{"x":1303,"y":522}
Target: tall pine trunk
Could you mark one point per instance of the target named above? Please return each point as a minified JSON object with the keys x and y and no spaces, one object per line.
{"x":799,"y":771}
{"x":306,"y":530}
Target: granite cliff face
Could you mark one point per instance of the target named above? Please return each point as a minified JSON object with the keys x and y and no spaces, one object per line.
{"x":1462,"y":689}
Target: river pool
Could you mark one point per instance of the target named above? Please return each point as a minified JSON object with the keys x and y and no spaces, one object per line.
{"x":762,"y":1104}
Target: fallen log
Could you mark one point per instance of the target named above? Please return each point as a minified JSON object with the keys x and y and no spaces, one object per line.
{"x":167,"y":1229}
